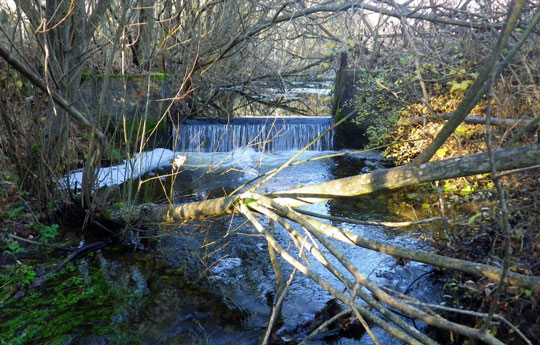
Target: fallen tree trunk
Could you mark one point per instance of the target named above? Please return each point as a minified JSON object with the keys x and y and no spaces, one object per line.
{"x":410,"y":175}
{"x":387,"y":179}
{"x":277,"y":207}
{"x":476,"y":269}
{"x":479,"y":120}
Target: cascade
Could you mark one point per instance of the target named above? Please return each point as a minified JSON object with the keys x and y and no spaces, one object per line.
{"x":260,"y":133}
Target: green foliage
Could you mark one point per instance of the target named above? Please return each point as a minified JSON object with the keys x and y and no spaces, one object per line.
{"x":112,"y":155}
{"x":374,"y":105}
{"x":13,"y":248}
{"x":47,"y":232}
{"x":20,"y":274}
{"x":69,"y":303}
{"x":464,"y":190}
{"x":36,"y":150}
{"x":461,"y":80}
{"x":13,"y":213}
{"x":459,"y":86}
{"x":407,"y":59}
{"x":473,"y":218}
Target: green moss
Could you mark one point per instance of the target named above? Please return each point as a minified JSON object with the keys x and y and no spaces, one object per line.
{"x":107,"y":215}
{"x":338,"y":116}
{"x":160,"y":76}
{"x":151,"y":124}
{"x":69,"y":303}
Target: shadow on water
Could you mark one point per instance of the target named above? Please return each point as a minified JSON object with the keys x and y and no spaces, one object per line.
{"x":177,"y":310}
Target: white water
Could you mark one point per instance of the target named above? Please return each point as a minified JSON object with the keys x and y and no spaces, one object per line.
{"x":131,"y":169}
{"x":239,"y":143}
{"x":261,"y":134}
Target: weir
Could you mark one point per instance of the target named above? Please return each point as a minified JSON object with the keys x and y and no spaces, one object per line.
{"x":260,"y":133}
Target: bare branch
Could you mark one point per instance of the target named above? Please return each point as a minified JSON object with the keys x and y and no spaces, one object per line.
{"x":482,"y":83}
{"x":40,"y":83}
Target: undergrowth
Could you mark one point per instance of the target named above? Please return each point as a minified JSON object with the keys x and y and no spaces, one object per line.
{"x":473,"y":231}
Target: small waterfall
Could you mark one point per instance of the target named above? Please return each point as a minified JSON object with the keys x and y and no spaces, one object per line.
{"x":261,"y":133}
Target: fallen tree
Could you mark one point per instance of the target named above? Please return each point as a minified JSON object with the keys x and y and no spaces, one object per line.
{"x":407,"y":175}
{"x":387,"y":179}
{"x":277,"y":208}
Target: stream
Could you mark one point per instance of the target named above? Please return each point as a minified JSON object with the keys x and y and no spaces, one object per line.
{"x":211,"y":282}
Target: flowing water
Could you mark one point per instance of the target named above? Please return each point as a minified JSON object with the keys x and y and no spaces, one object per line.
{"x":260,"y":133}
{"x":213,"y":283}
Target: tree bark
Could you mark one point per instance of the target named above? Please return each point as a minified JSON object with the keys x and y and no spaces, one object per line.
{"x":410,"y":175}
{"x":473,"y":268}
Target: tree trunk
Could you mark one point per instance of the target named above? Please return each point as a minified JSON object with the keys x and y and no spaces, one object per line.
{"x":64,"y":36}
{"x":387,"y":179}
{"x":64,"y":32}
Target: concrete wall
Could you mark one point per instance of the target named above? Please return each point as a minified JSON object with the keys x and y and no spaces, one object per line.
{"x":348,"y":134}
{"x":137,"y":98}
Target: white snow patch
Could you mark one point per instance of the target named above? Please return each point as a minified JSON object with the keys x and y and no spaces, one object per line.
{"x":131,"y":168}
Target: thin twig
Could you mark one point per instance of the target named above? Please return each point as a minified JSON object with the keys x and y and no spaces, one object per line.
{"x":357,"y":314}
{"x":392,"y":316}
{"x":322,"y":282}
{"x":507,"y":242}
{"x":325,"y":324}
{"x":370,"y":285}
{"x":363,"y":222}
{"x":277,"y":307}
{"x":476,"y":314}
{"x":515,"y":171}
{"x":338,"y":274}
{"x":481,"y":270}
{"x":281,"y":287}
{"x":43,"y":244}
